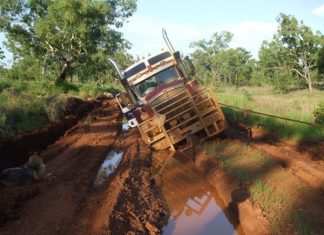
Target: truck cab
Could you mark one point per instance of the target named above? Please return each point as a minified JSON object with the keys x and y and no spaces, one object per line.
{"x":165,"y":104}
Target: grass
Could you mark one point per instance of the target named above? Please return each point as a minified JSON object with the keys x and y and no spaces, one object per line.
{"x":285,"y":200}
{"x":297,"y":105}
{"x":262,"y":193}
{"x":27,"y":105}
{"x":301,"y":221}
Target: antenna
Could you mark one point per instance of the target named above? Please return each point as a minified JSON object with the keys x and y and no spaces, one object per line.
{"x":167,"y":40}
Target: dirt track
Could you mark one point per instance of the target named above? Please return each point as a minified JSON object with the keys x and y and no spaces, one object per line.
{"x":130,"y":202}
{"x":68,"y":202}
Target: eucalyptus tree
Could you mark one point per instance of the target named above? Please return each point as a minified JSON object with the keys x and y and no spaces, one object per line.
{"x":301,"y":44}
{"x":215,"y":61}
{"x":69,"y":33}
{"x":320,"y":62}
{"x":275,"y":65}
{"x":207,"y":57}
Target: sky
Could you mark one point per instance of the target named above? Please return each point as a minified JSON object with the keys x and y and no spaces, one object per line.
{"x":251,"y":22}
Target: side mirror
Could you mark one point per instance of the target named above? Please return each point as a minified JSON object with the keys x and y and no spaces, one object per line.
{"x":124,"y":102}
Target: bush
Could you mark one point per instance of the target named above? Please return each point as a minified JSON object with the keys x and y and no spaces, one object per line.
{"x":56,"y":106}
{"x":4,"y":85}
{"x":247,"y":95}
{"x":319,"y":114}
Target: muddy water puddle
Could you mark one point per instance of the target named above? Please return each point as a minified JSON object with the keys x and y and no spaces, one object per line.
{"x":125,"y":126}
{"x":108,"y":166}
{"x":195,"y":207}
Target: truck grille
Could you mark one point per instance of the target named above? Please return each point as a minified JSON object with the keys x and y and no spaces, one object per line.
{"x":178,"y":115}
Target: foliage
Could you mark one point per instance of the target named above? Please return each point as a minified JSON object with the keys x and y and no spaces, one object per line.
{"x":247,"y":95}
{"x":55,"y":107}
{"x":320,"y":62}
{"x":291,"y":57}
{"x":216,"y":62}
{"x":319,"y":114}
{"x":274,"y":65}
{"x":28,"y":68}
{"x":69,"y":34}
{"x":297,"y":105}
{"x":294,"y":58}
{"x":26,"y":105}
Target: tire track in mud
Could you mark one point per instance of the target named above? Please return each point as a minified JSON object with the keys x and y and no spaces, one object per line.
{"x":308,"y":170}
{"x":129,"y":202}
{"x":54,"y":206}
{"x":139,"y":208}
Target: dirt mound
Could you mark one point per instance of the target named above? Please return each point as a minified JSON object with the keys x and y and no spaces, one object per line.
{"x":15,"y":151}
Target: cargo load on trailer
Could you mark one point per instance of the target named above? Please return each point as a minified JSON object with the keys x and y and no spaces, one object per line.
{"x":166,"y":105}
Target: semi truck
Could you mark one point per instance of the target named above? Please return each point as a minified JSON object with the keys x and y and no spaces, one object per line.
{"x":166,"y":104}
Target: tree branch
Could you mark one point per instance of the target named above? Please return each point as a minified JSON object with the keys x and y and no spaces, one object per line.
{"x":300,"y":74}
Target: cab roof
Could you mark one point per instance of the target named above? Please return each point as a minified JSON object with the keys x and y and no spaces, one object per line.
{"x":144,"y":65}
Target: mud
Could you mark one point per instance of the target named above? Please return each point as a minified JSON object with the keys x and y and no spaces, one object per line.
{"x":299,"y":167}
{"x":304,"y":161}
{"x":89,"y":190}
{"x":67,"y":202}
{"x":194,"y":204}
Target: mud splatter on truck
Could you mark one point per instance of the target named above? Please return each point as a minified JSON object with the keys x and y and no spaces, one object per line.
{"x":167,"y":106}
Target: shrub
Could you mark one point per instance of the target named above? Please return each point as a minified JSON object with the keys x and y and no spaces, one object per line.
{"x":3,"y":85}
{"x":247,"y":95}
{"x":56,"y":106}
{"x":319,"y":114}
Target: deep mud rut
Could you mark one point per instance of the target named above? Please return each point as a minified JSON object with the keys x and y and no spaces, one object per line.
{"x":134,"y":199}
{"x":68,"y":201}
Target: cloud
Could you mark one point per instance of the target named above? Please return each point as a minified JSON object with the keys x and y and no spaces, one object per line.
{"x":250,"y":34}
{"x":145,"y":34}
{"x":319,"y":10}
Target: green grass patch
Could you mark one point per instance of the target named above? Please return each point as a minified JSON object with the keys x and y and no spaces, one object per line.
{"x":239,"y":161}
{"x":262,"y":193}
{"x":27,"y":105}
{"x":297,"y":105}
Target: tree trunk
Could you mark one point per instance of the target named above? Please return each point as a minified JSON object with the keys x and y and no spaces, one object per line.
{"x":310,"y":88}
{"x":309,"y":80}
{"x":63,"y":72}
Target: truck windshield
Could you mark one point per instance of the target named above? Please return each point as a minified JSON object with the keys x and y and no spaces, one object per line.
{"x":164,"y":77}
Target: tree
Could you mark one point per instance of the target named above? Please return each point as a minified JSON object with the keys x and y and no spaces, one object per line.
{"x":206,"y":55}
{"x":301,"y":44}
{"x":69,"y":33}
{"x":216,"y":62}
{"x":320,"y":62}
{"x":237,"y":66}
{"x":275,"y":65}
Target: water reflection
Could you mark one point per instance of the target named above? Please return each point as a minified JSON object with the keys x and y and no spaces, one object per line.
{"x":194,"y":204}
{"x":125,"y":125}
{"x":108,"y":166}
